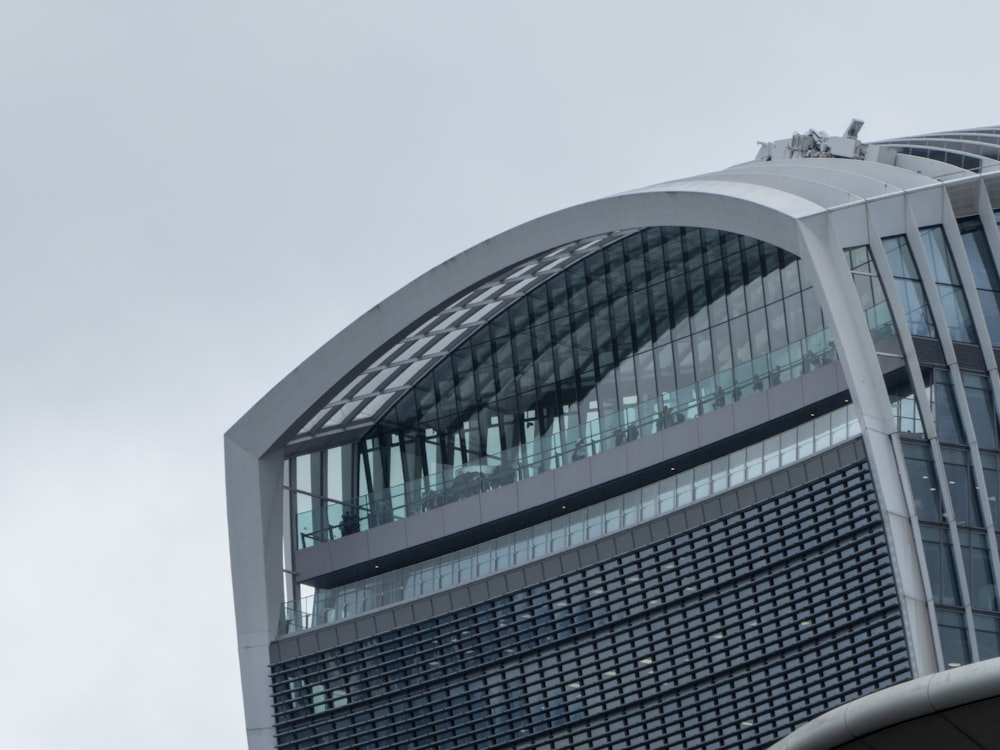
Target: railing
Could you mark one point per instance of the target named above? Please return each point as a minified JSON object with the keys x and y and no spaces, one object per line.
{"x":575,"y":528}
{"x":333,"y":519}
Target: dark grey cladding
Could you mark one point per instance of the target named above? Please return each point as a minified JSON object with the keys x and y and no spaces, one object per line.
{"x":646,"y":639}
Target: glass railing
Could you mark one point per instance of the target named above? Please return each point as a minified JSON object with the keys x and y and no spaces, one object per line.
{"x":576,"y":528}
{"x":330,"y":519}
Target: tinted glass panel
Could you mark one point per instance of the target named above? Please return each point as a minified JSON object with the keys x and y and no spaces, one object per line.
{"x":646,"y":331}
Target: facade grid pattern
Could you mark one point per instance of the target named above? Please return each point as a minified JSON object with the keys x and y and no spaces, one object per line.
{"x":798,"y":592}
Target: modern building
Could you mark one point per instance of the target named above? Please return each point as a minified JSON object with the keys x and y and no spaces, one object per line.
{"x":684,"y":467}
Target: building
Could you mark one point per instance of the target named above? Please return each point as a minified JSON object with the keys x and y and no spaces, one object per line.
{"x":684,"y":467}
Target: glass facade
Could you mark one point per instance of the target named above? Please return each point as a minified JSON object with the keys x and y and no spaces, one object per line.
{"x":869,"y":286}
{"x":953,"y":525}
{"x":655,"y":328}
{"x":984,"y":273}
{"x":588,"y":524}
{"x":396,"y":370}
{"x":956,"y":308}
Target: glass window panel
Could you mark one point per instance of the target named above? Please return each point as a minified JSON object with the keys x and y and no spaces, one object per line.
{"x":698,"y":296}
{"x":659,"y":312}
{"x":990,"y":302}
{"x":954,"y":639}
{"x":956,"y":308}
{"x":755,"y":461}
{"x":794,"y":318}
{"x":758,"y":332}
{"x":721,"y":350}
{"x":790,"y":278}
{"x":668,"y":495}
{"x":813,"y":312}
{"x":693,"y":246}
{"x":755,"y":286}
{"x":737,"y":467}
{"x":987,"y":636}
{"x":772,"y":454}
{"x":900,"y":259}
{"x":942,"y":265}
{"x":960,"y":487}
{"x":740,"y":333}
{"x":772,"y":286}
{"x":789,"y":447}
{"x":735,"y":297}
{"x":684,"y":363}
{"x":679,"y":309}
{"x":924,"y":483}
{"x":904,"y":408}
{"x":718,"y":312}
{"x":871,"y":293}
{"x":956,"y":312}
{"x":984,"y":421}
{"x":673,"y":250}
{"x":664,"y":360}
{"x":519,"y":392}
{"x":701,"y":344}
{"x":991,"y":473}
{"x":940,"y":565}
{"x":645,"y":376}
{"x":823,"y":427}
{"x":839,"y":425}
{"x":777,"y":331}
{"x":980,"y":258}
{"x":978,"y":570}
{"x":915,"y":308}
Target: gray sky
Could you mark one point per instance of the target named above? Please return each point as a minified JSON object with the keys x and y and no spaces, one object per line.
{"x":196,"y":195}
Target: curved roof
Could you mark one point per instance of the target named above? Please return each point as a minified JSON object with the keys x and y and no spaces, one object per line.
{"x":490,"y":272}
{"x":956,"y":709}
{"x":371,"y":393}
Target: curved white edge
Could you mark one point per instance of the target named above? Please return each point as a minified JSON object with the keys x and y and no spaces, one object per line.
{"x":860,"y":178}
{"x":760,"y":212}
{"x":924,"y":696}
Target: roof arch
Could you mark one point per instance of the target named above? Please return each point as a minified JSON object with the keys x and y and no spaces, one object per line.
{"x":758,"y":211}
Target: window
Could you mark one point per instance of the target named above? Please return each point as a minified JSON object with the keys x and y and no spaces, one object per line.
{"x":904,"y":270}
{"x":956,"y":308}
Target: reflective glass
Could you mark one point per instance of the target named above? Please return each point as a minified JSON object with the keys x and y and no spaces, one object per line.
{"x":924,"y":483}
{"x":960,"y":487}
{"x":870,"y":290}
{"x":984,"y":420}
{"x":945,"y":410}
{"x":905,"y":409}
{"x":648,"y":331}
{"x":940,"y":565}
{"x":954,"y":638}
{"x":586,"y":524}
{"x":978,"y":571}
{"x":956,"y":308}
{"x":911,"y":293}
{"x":987,"y":636}
{"x":991,"y":473}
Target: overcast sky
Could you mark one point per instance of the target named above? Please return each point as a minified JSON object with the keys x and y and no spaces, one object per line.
{"x":196,"y":194}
